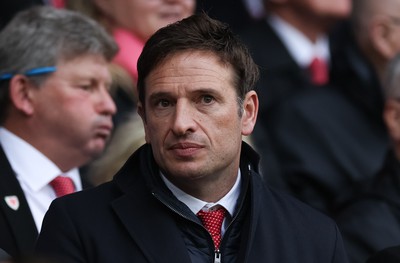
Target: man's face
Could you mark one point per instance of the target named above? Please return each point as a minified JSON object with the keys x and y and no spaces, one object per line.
{"x":192,"y":118}
{"x":73,"y":107}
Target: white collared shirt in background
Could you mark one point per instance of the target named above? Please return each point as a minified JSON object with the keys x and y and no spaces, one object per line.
{"x":34,"y":172}
{"x":302,"y":49}
{"x":229,"y":201}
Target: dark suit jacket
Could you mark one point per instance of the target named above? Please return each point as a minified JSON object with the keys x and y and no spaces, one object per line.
{"x":280,"y":75}
{"x":237,"y":17}
{"x":135,"y":218}
{"x":371,"y":221}
{"x":4,"y":255}
{"x":388,"y":255}
{"x":17,"y":228}
{"x":8,"y":9}
{"x":280,"y":79}
{"x":18,"y":231}
{"x":329,"y":148}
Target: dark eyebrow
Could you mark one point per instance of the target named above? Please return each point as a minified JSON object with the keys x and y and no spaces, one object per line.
{"x":167,"y":94}
{"x":207,"y":91}
{"x":158,"y":95}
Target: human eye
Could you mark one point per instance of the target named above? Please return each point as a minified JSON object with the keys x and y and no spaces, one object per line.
{"x":85,"y":86}
{"x":207,"y":99}
{"x":163,"y":103}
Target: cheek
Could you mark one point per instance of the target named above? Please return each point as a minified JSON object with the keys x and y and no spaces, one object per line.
{"x":189,"y":7}
{"x":226,"y":124}
{"x":155,"y":131}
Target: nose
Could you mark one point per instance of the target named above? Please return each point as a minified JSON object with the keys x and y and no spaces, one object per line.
{"x":184,"y":119}
{"x":106,"y":104}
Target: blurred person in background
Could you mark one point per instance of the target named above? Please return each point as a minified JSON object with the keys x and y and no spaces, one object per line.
{"x":332,"y":142}
{"x":55,"y":114}
{"x":292,"y":47}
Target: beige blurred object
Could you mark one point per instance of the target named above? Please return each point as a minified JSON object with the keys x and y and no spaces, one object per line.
{"x":122,"y":80}
{"x":128,"y":137}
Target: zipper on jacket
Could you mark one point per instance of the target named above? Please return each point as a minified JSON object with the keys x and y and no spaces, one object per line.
{"x":217,"y":256}
{"x":217,"y":252}
{"x":170,"y":207}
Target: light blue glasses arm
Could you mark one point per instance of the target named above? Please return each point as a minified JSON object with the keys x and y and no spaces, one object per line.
{"x":31,"y":72}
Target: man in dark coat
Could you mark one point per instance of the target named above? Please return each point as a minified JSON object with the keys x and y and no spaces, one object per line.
{"x":387,"y":255}
{"x":193,"y":192}
{"x":55,"y":114}
{"x":284,"y":45}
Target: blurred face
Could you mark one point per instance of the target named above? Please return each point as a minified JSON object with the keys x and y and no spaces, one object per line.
{"x":192,"y":118}
{"x":145,"y":17}
{"x":389,"y":24}
{"x":324,"y":8}
{"x":73,"y":108}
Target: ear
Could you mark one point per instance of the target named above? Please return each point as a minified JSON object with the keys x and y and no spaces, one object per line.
{"x":250,"y":111}
{"x":381,"y":35}
{"x":142,"y":114}
{"x":391,"y":116}
{"x":21,"y":94}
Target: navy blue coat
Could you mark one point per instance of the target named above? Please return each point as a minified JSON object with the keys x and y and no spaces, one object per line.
{"x":135,"y":218}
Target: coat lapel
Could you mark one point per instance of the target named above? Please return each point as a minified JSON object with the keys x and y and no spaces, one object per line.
{"x":15,"y":207}
{"x":152,"y":228}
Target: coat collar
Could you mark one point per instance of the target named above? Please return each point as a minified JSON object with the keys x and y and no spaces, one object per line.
{"x":146,"y":219}
{"x":150,"y":207}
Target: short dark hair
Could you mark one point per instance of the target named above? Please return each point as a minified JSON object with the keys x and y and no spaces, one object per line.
{"x":199,"y":32}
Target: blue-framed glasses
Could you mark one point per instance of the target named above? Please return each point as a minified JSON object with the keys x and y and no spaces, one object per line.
{"x":31,"y":72}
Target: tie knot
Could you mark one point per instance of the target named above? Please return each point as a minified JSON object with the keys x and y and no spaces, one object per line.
{"x":62,"y":185}
{"x":318,"y":71}
{"x":212,"y":221}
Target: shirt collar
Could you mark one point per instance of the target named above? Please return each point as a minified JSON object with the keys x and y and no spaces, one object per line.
{"x":299,"y":46}
{"x":195,"y":205}
{"x":29,"y":164}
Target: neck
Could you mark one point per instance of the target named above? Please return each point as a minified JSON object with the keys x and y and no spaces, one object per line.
{"x":62,"y":158}
{"x":209,"y":190}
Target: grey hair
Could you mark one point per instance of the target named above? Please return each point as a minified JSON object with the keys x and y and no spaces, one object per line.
{"x":42,"y":36}
{"x":391,"y":85}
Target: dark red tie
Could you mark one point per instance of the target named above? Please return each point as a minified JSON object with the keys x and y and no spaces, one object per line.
{"x":319,"y":73}
{"x":212,"y":221}
{"x":62,"y":185}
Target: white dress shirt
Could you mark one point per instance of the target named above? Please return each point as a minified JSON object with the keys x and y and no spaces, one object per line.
{"x":301,"y":48}
{"x":195,"y":205}
{"x":34,"y":172}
